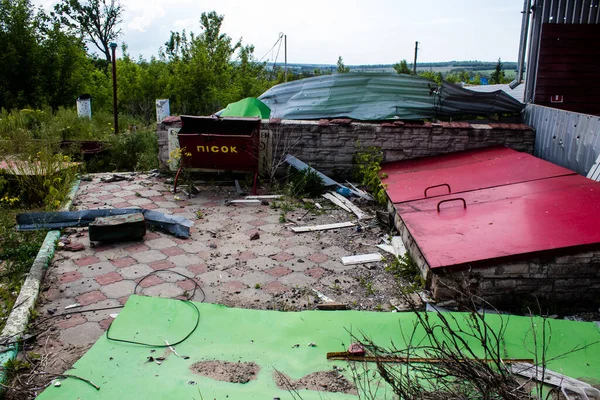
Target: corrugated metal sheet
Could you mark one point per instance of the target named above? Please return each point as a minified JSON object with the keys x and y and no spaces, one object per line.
{"x":555,"y":12}
{"x":517,"y":93}
{"x":387,"y":96}
{"x":566,"y":138}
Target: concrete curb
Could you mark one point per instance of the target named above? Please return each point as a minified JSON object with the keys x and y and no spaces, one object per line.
{"x":19,"y":316}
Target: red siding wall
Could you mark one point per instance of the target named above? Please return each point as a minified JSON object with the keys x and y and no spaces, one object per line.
{"x":569,"y":66}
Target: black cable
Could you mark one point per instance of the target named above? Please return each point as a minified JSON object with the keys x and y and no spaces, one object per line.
{"x":188,"y":301}
{"x":190,"y":297}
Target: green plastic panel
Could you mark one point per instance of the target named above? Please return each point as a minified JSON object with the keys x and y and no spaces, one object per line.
{"x":268,"y":338}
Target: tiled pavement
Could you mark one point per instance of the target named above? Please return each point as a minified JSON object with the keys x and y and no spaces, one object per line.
{"x":271,"y":272}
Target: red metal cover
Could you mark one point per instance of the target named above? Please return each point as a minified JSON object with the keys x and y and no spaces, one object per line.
{"x":230,"y":144}
{"x":465,"y":171}
{"x":505,"y":221}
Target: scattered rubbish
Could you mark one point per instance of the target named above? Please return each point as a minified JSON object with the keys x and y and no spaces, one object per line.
{"x":51,"y":311}
{"x":302,"y":229}
{"x":113,"y":316}
{"x":331,"y":306}
{"x":398,"y":245}
{"x":429,"y":307}
{"x":357,"y":211}
{"x":356,"y":349}
{"x":574,"y":318}
{"x":116,"y":178}
{"x":318,"y":206}
{"x":174,"y":352}
{"x":192,"y":383}
{"x":72,"y":306}
{"x":329,"y":196}
{"x":160,"y":358}
{"x":388,"y":248}
{"x":549,"y":377}
{"x":57,"y":383}
{"x":264,"y":197}
{"x":251,"y":202}
{"x":361,"y":259}
{"x":312,"y":344}
{"x":254,"y":236}
{"x":117,"y":228}
{"x":176,"y":198}
{"x":360,"y":193}
{"x":322,"y":296}
{"x":344,"y":191}
{"x":172,"y":224}
{"x":73,"y":246}
{"x":295,"y":346}
{"x":301,"y":166}
{"x":238,"y":188}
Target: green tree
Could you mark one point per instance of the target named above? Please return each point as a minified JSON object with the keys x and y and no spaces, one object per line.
{"x":402,"y":67}
{"x":98,"y":20}
{"x":498,"y":74}
{"x":341,"y":68}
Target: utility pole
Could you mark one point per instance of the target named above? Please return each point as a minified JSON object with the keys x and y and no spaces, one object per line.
{"x":285,"y":55}
{"x":113,"y":47}
{"x":415,"y":62}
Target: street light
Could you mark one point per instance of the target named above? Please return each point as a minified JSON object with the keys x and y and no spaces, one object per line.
{"x":113,"y":47}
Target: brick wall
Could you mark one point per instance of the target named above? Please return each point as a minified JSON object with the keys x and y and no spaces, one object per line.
{"x":329,"y":146}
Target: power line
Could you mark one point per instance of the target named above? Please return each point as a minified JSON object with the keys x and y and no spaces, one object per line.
{"x":275,"y":44}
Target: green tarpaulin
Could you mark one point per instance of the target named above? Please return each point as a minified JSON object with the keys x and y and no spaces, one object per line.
{"x":248,"y":107}
{"x":269,"y":339}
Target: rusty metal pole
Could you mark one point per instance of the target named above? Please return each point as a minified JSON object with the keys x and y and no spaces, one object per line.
{"x":113,"y":46}
{"x":415,"y":62}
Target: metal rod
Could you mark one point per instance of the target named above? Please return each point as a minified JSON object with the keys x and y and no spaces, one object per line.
{"x":113,"y":46}
{"x":285,"y":55}
{"x":415,"y":62}
{"x":522,"y":45}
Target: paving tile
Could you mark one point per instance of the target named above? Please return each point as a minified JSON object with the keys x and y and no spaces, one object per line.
{"x":90,"y":297}
{"x":160,"y":243}
{"x":94,"y":270}
{"x":75,"y":288}
{"x":233,"y":286}
{"x":105,"y":323}
{"x":85,"y":261}
{"x":135,"y":271}
{"x":316,"y":272}
{"x":197,"y":269}
{"x":183,"y":260}
{"x":98,"y":316}
{"x":282,"y":256}
{"x":151,"y":280}
{"x":84,"y":334}
{"x":300,"y":251}
{"x":123,"y":262}
{"x":109,"y":278}
{"x":162,"y":264}
{"x":261,"y":263}
{"x":275,"y":287}
{"x":118,"y":289}
{"x":278,"y":271}
{"x":254,"y":278}
{"x":148,"y":256}
{"x":245,"y":256}
{"x":318,"y":258}
{"x":298,"y":279}
{"x":139,"y":201}
{"x":136,"y":248}
{"x":168,"y":290}
{"x":299,"y":264}
{"x":74,"y":320}
{"x":70,"y":277}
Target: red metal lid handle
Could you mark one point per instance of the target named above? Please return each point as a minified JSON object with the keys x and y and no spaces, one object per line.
{"x":449,"y":200}
{"x":435,"y":186}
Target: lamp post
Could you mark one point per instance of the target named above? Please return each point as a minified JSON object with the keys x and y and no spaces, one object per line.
{"x":113,"y":47}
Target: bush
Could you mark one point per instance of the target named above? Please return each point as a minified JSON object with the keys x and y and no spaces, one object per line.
{"x":306,"y":183}
{"x":133,"y":151}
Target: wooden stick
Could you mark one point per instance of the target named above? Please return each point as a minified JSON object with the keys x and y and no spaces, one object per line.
{"x":344,"y":355}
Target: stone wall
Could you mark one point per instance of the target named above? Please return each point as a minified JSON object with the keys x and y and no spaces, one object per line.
{"x":564,"y":279}
{"x":329,"y":146}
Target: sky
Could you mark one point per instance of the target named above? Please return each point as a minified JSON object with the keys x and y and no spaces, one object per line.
{"x":362,"y":32}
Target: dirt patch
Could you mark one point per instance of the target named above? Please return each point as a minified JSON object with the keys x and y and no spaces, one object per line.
{"x":239,"y":372}
{"x":322,"y":381}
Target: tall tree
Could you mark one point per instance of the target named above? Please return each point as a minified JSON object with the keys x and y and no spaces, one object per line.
{"x":98,"y":20}
{"x":498,"y":74}
{"x":341,"y":68}
{"x":402,"y":67}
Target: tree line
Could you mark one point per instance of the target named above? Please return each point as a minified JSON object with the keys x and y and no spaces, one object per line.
{"x":46,"y":62}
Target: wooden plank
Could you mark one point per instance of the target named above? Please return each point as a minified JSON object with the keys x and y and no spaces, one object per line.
{"x":248,"y":202}
{"x":357,"y":211}
{"x":302,"y":229}
{"x":344,"y":355}
{"x":387,"y":248}
{"x":361,"y":259}
{"x":398,"y":245}
{"x":331,"y":306}
{"x":336,"y":201}
{"x":264,"y":197}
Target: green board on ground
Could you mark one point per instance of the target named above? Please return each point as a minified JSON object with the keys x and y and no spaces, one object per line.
{"x":268,"y":338}
{"x":248,"y":107}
